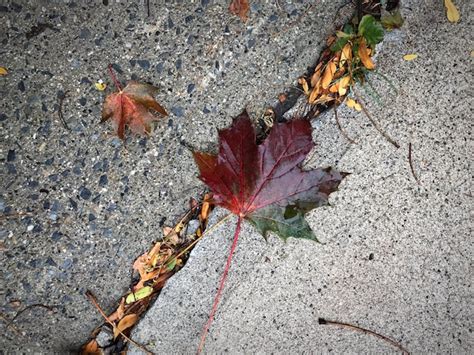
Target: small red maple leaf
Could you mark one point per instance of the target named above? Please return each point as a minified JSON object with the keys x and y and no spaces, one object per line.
{"x":265,"y":183}
{"x":131,"y":107}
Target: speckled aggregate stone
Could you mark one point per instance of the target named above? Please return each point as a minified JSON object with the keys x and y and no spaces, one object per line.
{"x":397,"y":256}
{"x":88,"y":204}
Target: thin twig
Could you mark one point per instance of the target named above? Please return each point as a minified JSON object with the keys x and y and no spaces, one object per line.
{"x":49,"y":308}
{"x":60,"y":109}
{"x":93,"y":300}
{"x":148,"y":7}
{"x":323,"y":321}
{"x":410,"y":161}
{"x":340,"y":127}
{"x":10,"y":325}
{"x":375,"y":124}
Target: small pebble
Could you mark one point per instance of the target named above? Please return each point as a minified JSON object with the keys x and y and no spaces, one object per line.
{"x":11,"y":156}
{"x":85,"y":193}
{"x":21,"y":86}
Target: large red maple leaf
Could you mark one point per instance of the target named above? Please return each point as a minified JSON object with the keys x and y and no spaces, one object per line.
{"x":265,"y":183}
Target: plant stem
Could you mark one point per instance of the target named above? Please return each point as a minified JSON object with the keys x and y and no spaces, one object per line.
{"x":221,"y":287}
{"x":114,"y":78}
{"x":323,"y":321}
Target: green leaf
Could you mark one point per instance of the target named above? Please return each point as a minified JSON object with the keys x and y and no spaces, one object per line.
{"x":171,"y":264}
{"x":391,"y":21}
{"x":284,"y":221}
{"x":371,"y":29}
{"x":339,"y":44}
{"x":141,"y":293}
{"x":349,"y":29}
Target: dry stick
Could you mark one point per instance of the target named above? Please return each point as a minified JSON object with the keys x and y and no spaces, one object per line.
{"x":49,"y":308}
{"x":340,"y":127}
{"x":10,"y":325}
{"x":323,"y":321}
{"x":381,"y":131}
{"x":221,"y":286}
{"x":93,"y":300}
{"x":411,"y":164}
{"x":60,"y":109}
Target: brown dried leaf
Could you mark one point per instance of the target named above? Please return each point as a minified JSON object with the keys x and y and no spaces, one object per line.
{"x":118,"y":314}
{"x":126,"y":322}
{"x":91,"y":348}
{"x":240,"y":8}
{"x":364,"y":55}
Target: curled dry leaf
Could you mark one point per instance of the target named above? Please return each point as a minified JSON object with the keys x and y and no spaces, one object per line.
{"x":364,"y":55}
{"x":451,"y":11}
{"x":240,"y":8}
{"x":91,"y":348}
{"x":126,"y":322}
{"x":3,"y":71}
{"x":131,"y":107}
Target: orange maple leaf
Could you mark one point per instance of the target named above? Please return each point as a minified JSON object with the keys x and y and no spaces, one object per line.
{"x":131,"y":107}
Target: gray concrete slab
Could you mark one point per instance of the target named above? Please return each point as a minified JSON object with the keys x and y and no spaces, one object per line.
{"x":93,"y":205}
{"x":397,"y":256}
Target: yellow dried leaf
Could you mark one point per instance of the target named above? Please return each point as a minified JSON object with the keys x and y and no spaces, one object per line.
{"x":314,"y":94}
{"x":328,"y":75}
{"x":451,"y":11}
{"x":315,"y":77}
{"x":343,"y":84}
{"x":126,"y":322}
{"x":304,"y":85}
{"x":351,"y":103}
{"x":409,"y":57}
{"x":346,"y":55}
{"x":364,"y":55}
{"x":3,"y":71}
{"x":100,"y":85}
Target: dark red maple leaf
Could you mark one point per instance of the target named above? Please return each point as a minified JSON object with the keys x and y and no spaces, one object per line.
{"x":265,"y":183}
{"x":131,"y":107}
